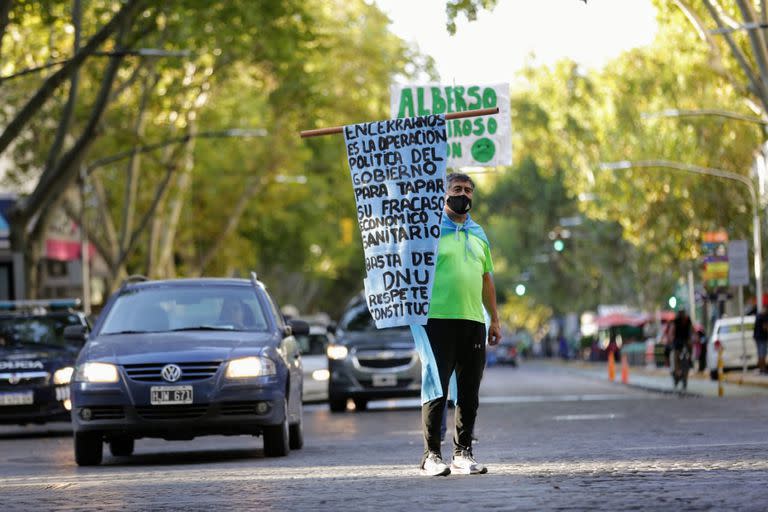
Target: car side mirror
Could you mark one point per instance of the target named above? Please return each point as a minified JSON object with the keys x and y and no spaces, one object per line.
{"x":76,"y":333}
{"x":298,"y":327}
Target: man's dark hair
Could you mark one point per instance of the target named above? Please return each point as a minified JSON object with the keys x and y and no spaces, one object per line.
{"x":458,"y":176}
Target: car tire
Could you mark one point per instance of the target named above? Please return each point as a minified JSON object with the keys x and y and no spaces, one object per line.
{"x":89,"y":448}
{"x":296,"y":432}
{"x":277,"y":437}
{"x":713,"y":374}
{"x":337,"y":404}
{"x":360,"y":404}
{"x":121,"y":446}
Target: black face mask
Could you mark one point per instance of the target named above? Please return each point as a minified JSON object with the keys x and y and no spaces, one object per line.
{"x":459,"y":204}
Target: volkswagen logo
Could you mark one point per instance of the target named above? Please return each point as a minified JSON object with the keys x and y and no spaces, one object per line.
{"x":170,"y":373}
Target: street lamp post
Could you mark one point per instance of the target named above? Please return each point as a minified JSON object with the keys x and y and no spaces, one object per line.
{"x":718,"y":173}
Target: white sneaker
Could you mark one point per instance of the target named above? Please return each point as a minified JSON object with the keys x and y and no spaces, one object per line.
{"x":464,"y":463}
{"x":433,"y":465}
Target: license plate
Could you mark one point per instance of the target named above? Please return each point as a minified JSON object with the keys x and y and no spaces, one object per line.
{"x":25,"y":398}
{"x":384,"y":380}
{"x":169,"y":395}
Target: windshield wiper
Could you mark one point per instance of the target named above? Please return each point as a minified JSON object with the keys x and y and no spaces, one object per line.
{"x":124,"y":332}
{"x":205,"y":328}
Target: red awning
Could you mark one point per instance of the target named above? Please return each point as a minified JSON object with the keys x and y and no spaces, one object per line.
{"x":66,"y":250}
{"x":617,"y":319}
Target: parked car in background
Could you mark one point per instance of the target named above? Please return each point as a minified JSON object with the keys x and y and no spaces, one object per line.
{"x":183,"y":358}
{"x":313,"y":348}
{"x":367,"y":363}
{"x":727,"y":333}
{"x":36,"y":361}
{"x":506,"y":352}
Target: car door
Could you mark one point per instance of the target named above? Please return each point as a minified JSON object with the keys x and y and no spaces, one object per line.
{"x":290,"y":349}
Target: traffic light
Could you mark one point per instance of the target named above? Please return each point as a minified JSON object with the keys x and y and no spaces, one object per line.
{"x":559,"y":245}
{"x":520,"y":290}
{"x":672,"y":302}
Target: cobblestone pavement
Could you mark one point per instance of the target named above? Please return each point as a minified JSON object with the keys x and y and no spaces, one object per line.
{"x":553,"y":439}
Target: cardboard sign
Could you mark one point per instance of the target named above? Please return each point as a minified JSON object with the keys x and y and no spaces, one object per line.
{"x":481,"y":141}
{"x":398,"y":176}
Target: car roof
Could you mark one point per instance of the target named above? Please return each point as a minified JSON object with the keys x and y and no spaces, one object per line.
{"x":193,"y":281}
{"x":733,"y":320}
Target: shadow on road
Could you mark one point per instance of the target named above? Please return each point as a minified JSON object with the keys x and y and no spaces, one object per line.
{"x":37,"y":434}
{"x":185,"y":457}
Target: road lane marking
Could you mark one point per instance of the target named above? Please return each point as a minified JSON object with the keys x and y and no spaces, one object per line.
{"x":112,"y":479}
{"x":578,"y":417}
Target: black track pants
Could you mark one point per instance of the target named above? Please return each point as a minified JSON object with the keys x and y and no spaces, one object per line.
{"x":459,"y":345}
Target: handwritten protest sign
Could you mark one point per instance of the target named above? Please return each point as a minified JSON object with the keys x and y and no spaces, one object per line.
{"x":398,"y":176}
{"x":482,"y":141}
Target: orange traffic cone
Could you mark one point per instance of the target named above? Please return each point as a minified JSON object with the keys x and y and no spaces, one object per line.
{"x":624,"y":369}
{"x":611,"y":366}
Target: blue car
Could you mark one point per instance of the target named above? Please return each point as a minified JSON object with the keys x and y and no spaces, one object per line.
{"x":182,"y":358}
{"x":36,"y":361}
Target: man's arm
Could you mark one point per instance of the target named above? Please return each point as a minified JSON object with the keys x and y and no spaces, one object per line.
{"x":489,"y":301}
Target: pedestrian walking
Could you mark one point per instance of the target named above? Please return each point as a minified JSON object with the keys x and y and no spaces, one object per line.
{"x":760,"y":335}
{"x":456,"y":329}
{"x":682,"y":329}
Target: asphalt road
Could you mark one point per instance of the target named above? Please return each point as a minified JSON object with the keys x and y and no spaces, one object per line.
{"x":553,"y":438}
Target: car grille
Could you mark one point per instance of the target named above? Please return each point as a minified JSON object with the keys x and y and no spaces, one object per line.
{"x":107,"y":412}
{"x":384,"y":363}
{"x":23,"y":379}
{"x":172,"y":412}
{"x":401,"y":383}
{"x":150,"y":372}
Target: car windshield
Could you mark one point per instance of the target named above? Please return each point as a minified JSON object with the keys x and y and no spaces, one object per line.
{"x":358,"y":318}
{"x":730,"y":329}
{"x":43,"y":330}
{"x":312,"y":344}
{"x":177,"y":308}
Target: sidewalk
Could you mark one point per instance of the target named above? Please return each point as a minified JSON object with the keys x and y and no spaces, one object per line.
{"x":659,"y":379}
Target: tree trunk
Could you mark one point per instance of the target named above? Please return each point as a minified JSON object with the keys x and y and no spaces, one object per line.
{"x":55,"y":181}
{"x":69,"y":107}
{"x":171,"y":224}
{"x":250,"y":191}
{"x":134,"y":163}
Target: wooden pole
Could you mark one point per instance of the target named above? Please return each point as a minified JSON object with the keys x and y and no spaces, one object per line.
{"x":454,"y":115}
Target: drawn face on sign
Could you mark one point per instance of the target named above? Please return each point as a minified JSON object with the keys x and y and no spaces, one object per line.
{"x":483,"y":150}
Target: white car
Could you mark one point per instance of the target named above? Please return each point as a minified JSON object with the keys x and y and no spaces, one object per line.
{"x":727,"y":334}
{"x":315,"y":361}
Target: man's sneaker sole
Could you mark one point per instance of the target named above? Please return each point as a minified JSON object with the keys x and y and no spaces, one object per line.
{"x":466,"y":471}
{"x":445,"y":472}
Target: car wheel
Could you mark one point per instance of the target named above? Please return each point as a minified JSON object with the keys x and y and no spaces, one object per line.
{"x":713,"y":374}
{"x":337,"y":404}
{"x":360,"y":404}
{"x":296,"y":432}
{"x":277,"y":437}
{"x":121,"y":446}
{"x":89,"y":448}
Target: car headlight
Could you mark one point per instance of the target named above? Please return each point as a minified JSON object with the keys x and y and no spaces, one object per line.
{"x":97,"y":372}
{"x":337,"y":351}
{"x":63,"y":375}
{"x":321,"y":375}
{"x":250,"y":367}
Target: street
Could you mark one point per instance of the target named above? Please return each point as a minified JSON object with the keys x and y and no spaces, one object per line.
{"x":554,"y":438}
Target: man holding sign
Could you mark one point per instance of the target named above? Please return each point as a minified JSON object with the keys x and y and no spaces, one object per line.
{"x":456,"y":326}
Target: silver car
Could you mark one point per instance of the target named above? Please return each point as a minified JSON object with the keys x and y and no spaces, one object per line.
{"x":370,"y":364}
{"x":313,"y":347}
